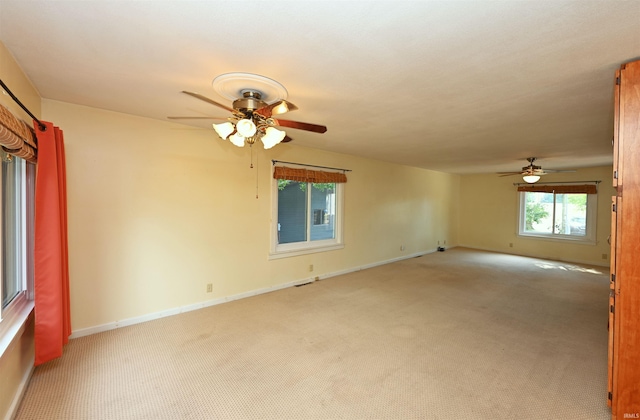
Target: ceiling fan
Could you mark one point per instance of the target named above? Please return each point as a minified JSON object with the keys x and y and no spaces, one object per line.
{"x":532,"y":173}
{"x":252,"y":119}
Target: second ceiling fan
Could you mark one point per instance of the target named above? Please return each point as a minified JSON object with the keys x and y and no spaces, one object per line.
{"x":532,"y":173}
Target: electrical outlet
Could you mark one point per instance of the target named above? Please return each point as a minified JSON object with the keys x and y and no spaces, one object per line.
{"x":510,"y":244}
{"x":438,"y":242}
{"x":209,"y":287}
{"x":310,"y":267}
{"x":445,"y":242}
{"x":604,"y":256}
{"x":401,"y":247}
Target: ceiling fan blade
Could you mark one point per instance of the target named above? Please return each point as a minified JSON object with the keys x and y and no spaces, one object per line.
{"x":509,"y":173}
{"x":286,"y":139}
{"x":211,"y":101}
{"x":278,"y":107}
{"x":301,"y":126}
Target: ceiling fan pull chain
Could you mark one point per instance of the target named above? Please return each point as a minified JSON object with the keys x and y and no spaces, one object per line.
{"x":257,"y":173}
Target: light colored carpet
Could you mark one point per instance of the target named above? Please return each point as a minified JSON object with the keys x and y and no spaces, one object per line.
{"x":459,"y":334}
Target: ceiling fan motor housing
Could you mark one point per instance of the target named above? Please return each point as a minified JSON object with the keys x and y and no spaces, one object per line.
{"x":531,"y":167}
{"x":250,"y":101}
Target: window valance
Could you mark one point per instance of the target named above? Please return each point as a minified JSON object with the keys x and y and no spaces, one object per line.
{"x":308,"y":175}
{"x":16,"y":137}
{"x":560,"y":189}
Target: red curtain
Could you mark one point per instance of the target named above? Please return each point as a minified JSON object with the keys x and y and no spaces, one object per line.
{"x":51,"y":275}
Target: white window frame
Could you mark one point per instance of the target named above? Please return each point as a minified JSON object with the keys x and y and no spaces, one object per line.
{"x":14,"y":315}
{"x":307,"y":247}
{"x":591,"y":221}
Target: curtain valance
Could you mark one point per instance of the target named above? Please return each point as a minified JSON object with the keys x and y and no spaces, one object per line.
{"x":308,"y":175}
{"x":560,"y":189}
{"x":16,"y":137}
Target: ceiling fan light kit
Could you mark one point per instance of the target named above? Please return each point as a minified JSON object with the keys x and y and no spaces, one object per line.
{"x":531,"y":179}
{"x":252,"y":116}
{"x":248,"y":124}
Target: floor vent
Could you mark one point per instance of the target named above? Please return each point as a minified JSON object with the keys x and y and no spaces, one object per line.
{"x":303,"y":284}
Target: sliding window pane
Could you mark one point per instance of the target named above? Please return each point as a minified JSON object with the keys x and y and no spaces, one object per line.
{"x":11,"y":229}
{"x":571,"y":214}
{"x":323,"y":211}
{"x":538,"y":212}
{"x":292,"y":211}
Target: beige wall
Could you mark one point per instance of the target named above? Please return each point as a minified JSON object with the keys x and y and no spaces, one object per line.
{"x":12,"y":76}
{"x":489,"y":211}
{"x":17,"y":361}
{"x":157,"y":210}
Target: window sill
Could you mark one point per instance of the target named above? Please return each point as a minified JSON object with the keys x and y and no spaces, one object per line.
{"x":14,"y":321}
{"x":303,"y":251}
{"x":571,"y":240}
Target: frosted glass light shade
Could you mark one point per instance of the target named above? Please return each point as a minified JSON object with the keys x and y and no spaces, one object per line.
{"x":281,"y":108}
{"x":237,"y":140}
{"x":531,"y":179}
{"x":246,"y":127}
{"x":272,"y":137}
{"x":224,"y":129}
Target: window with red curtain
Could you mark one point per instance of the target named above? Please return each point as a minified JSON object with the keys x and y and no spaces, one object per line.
{"x":46,"y":211}
{"x":17,"y":180}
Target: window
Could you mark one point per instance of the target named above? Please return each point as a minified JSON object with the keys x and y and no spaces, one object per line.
{"x":17,"y":184}
{"x":307,"y":216}
{"x":558,"y":212}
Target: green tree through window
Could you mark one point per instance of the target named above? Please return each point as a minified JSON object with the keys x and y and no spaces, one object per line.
{"x":534,"y":212}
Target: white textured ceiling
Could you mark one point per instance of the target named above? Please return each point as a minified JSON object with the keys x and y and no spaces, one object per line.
{"x":454,"y":86}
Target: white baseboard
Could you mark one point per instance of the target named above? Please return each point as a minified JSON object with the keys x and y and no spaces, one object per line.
{"x":375,"y":264}
{"x":187,"y":308}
